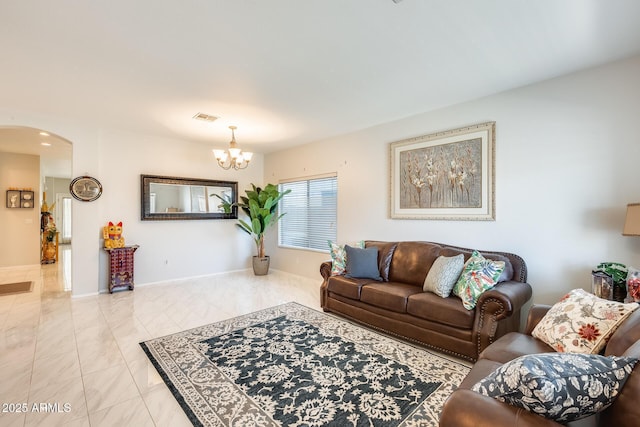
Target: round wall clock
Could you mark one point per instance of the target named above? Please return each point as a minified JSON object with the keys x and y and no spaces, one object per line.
{"x":85,"y":188}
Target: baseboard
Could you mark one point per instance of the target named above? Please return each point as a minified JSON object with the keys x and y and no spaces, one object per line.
{"x":183,"y":279}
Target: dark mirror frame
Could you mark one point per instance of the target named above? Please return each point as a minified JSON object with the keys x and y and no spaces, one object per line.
{"x":146,"y":215}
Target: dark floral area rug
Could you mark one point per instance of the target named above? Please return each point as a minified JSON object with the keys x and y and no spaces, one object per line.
{"x":294,"y":366}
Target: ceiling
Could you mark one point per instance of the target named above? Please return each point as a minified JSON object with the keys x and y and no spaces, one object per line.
{"x":55,"y":152}
{"x":289,"y":72}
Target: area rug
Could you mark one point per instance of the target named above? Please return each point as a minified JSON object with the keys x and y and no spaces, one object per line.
{"x":15,"y":288}
{"x":294,"y":366}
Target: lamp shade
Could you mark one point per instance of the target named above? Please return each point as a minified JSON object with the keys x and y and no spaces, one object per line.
{"x":632,"y":221}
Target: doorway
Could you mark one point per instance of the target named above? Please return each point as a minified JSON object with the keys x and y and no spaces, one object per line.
{"x":62,"y":208}
{"x":35,"y":160}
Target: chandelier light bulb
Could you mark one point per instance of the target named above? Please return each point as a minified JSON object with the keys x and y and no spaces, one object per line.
{"x":235,"y":152}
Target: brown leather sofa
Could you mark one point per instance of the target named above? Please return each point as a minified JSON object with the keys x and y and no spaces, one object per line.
{"x":399,"y":306}
{"x":467,"y":408}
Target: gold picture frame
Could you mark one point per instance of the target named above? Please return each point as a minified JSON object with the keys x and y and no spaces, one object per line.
{"x":447,"y":175}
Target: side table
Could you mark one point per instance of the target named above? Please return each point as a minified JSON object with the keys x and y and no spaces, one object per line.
{"x":121,"y":267}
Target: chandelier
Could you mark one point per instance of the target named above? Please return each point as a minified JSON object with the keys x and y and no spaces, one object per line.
{"x":234,"y":157}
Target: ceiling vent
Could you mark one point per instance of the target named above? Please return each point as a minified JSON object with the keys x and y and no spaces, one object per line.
{"x":205,"y":117}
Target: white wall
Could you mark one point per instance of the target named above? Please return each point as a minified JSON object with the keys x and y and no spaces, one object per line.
{"x":19,"y":228}
{"x":566,"y":166}
{"x":168,"y":249}
{"x":567,"y":154}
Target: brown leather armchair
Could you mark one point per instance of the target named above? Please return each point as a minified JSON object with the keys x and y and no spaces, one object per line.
{"x":467,"y":408}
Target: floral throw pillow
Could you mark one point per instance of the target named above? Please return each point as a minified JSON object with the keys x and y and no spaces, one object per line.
{"x":581,"y":322}
{"x":339,"y":256}
{"x":478,"y":275}
{"x":559,"y":386}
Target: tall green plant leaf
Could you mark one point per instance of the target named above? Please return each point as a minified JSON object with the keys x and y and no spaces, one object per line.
{"x":244,"y":226}
{"x":268,"y":203}
{"x":257,"y":226}
{"x":260,"y":205}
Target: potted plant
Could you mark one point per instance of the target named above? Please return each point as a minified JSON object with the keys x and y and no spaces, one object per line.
{"x":260,"y":206}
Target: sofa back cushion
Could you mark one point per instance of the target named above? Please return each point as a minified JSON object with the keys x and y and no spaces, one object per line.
{"x":625,"y":336}
{"x":506,"y":275}
{"x":411,"y":262}
{"x":385,"y":253}
{"x":416,"y":258}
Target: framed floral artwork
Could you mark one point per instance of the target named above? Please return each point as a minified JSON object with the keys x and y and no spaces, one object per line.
{"x":446,"y":175}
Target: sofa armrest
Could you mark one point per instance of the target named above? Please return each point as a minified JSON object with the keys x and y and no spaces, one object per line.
{"x":512,"y":295}
{"x":499,"y":304}
{"x":325,"y":270}
{"x":465,"y":408}
{"x":536,"y":313}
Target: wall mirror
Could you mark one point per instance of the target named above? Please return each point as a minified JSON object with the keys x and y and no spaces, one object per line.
{"x":172,"y":198}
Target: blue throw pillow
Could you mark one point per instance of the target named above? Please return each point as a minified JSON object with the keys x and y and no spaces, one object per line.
{"x":362,"y":263}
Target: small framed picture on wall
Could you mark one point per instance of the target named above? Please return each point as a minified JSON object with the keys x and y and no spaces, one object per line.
{"x":13,"y":199}
{"x":26,"y":199}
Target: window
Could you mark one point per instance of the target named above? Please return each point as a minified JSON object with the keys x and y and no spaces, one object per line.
{"x":310,"y":209}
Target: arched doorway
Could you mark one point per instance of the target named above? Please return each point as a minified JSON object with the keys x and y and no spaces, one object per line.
{"x":34,"y":163}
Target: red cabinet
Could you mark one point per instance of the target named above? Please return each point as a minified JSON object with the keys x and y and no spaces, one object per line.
{"x":121,"y":267}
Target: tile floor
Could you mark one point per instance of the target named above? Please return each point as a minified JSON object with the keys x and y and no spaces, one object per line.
{"x":83,"y":354}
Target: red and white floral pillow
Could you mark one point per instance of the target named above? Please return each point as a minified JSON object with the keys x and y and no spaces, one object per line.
{"x":581,"y":322}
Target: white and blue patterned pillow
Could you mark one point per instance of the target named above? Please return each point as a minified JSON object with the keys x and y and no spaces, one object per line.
{"x":559,"y":386}
{"x":443,"y":275}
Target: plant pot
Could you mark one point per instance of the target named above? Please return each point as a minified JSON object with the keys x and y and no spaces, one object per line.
{"x":619,"y":293}
{"x":260,"y":266}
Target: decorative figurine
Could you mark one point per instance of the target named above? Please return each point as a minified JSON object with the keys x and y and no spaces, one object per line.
{"x":633,"y":284}
{"x":112,"y":235}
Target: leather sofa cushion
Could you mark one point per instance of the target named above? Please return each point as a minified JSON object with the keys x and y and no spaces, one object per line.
{"x":507,"y":273}
{"x":391,"y":296}
{"x":513,"y":345}
{"x":385,"y":253}
{"x":625,"y":336}
{"x":480,"y":370}
{"x":411,"y":262}
{"x":447,"y":311}
{"x":349,"y":288}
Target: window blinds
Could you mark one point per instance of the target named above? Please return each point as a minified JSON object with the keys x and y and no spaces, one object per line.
{"x":311,"y":213}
